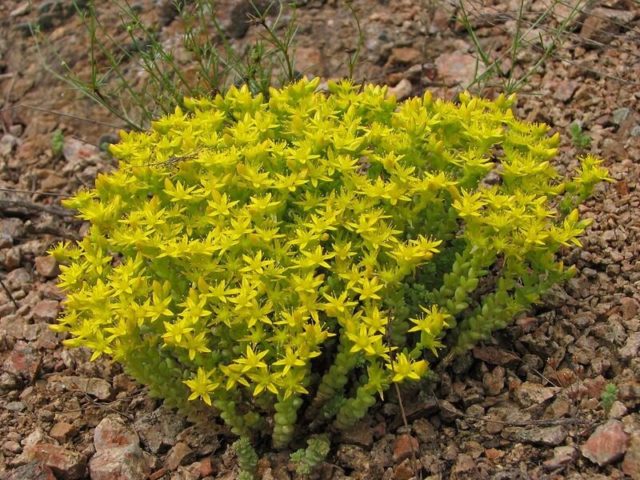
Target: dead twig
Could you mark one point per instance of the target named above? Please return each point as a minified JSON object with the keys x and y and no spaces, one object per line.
{"x":55,"y":230}
{"x":92,"y":403}
{"x":417,"y":472}
{"x":61,"y":114}
{"x":525,"y":423}
{"x":414,"y":458}
{"x":33,"y":192}
{"x":27,"y":208}
{"x":8,"y":292}
{"x":37,"y":371}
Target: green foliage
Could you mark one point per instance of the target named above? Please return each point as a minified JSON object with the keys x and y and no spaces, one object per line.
{"x":57,"y":143}
{"x":578,"y":137}
{"x":312,"y":249}
{"x":309,"y":458}
{"x":608,"y":397}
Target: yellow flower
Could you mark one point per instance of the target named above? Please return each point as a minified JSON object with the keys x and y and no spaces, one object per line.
{"x":289,"y":361}
{"x":195,"y":344}
{"x":432,"y":323}
{"x":233,"y":375}
{"x":363,"y":340}
{"x":252,"y":360}
{"x":201,"y":386}
{"x":337,"y":305}
{"x":368,"y":288}
{"x":265,"y":381}
{"x":402,"y":368}
{"x":175,"y":331}
{"x":469,"y":205}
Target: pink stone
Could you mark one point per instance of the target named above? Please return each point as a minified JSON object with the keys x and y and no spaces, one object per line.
{"x":46,"y":310}
{"x":47,"y":266}
{"x":404,"y":447}
{"x":112,"y":432}
{"x":66,"y":464}
{"x":607,"y":444}
{"x":631,"y":463}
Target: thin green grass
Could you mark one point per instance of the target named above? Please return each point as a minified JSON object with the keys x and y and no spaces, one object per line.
{"x":495,"y":68}
{"x":137,"y":76}
{"x":116,"y":53}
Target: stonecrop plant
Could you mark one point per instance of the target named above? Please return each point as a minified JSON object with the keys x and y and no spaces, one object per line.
{"x":291,"y":258}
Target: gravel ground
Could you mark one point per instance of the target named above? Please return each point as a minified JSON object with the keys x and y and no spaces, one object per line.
{"x":524,"y":405}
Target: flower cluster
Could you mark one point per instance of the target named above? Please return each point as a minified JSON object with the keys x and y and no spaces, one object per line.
{"x":257,"y":255}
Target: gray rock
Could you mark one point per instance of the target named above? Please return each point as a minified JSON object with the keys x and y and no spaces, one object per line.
{"x":96,"y":387}
{"x":495,"y":355}
{"x":8,"y":143}
{"x":493,"y":381}
{"x":20,"y":10}
{"x":360,"y":434}
{"x":31,"y":471}
{"x":159,"y":429}
{"x":17,"y":278}
{"x":530,"y":393}
{"x":448,"y":412}
{"x":15,"y":406}
{"x":10,"y":258}
{"x":602,"y":24}
{"x":631,"y":347}
{"x":240,"y":17}
{"x":617,"y":410}
{"x":12,"y":228}
{"x":548,"y":436}
{"x":8,"y":382}
{"x":424,"y":430}
{"x":620,"y":115}
{"x":202,"y":437}
{"x":353,"y":458}
{"x":562,"y":456}
{"x":5,"y":240}
{"x":16,"y":130}
{"x":402,"y":90}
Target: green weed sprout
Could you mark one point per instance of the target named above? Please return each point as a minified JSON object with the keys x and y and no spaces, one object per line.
{"x":281,"y":260}
{"x":578,"y":137}
{"x":608,"y":397}
{"x":57,"y":143}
